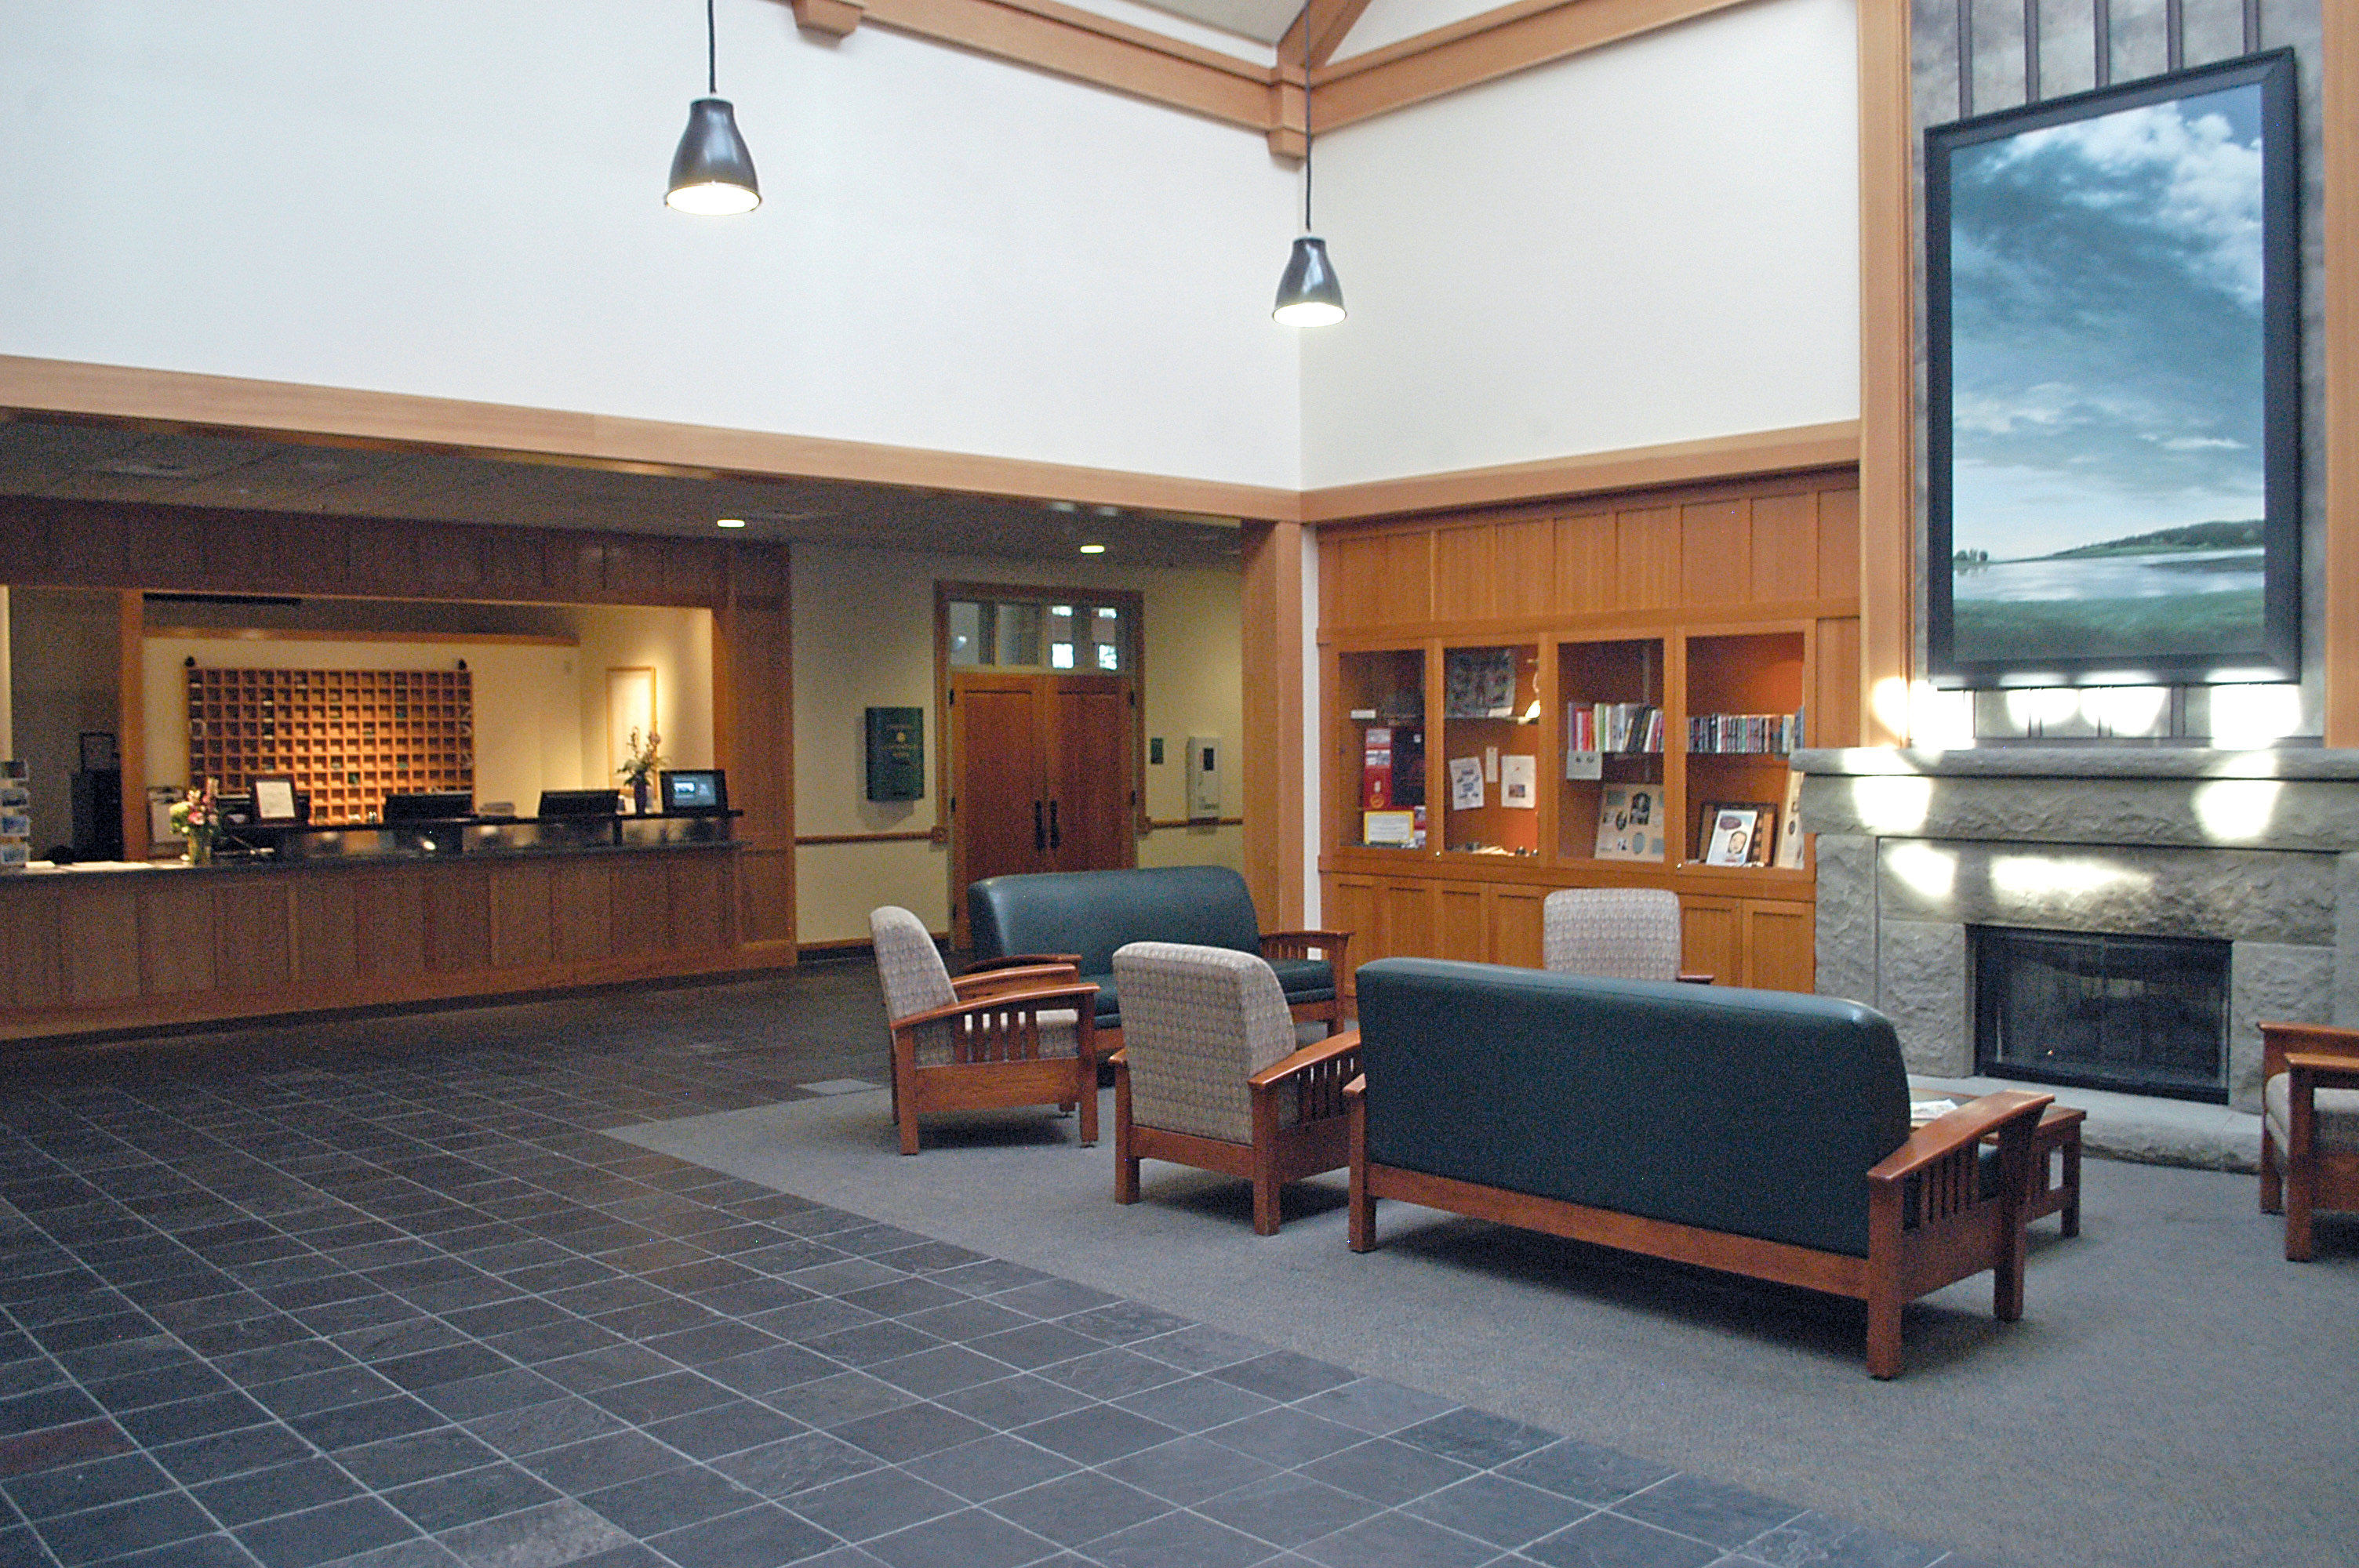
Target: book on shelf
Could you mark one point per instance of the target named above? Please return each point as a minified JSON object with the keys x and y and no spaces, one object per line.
{"x":1745,"y":733}
{"x":1790,"y":826}
{"x":1613,"y":727}
{"x":1630,"y":822}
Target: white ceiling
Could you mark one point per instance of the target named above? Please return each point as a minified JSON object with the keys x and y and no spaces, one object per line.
{"x":1265,"y":20}
{"x":92,"y":462}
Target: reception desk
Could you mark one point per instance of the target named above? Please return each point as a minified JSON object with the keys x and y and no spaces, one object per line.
{"x":367,"y":916}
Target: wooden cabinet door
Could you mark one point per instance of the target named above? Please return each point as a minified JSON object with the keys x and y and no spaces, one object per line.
{"x":1781,"y":945}
{"x":1711,"y":931}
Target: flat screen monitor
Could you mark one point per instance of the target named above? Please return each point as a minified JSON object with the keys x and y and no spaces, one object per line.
{"x":429,"y":805}
{"x":695,"y":792}
{"x":579,"y":802}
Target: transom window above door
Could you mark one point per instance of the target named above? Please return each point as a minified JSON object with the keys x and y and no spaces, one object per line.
{"x":1038,"y":634}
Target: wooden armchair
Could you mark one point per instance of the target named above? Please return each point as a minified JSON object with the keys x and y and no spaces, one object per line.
{"x":1007,"y":1037}
{"x":1208,"y":1074}
{"x":1618,"y":934}
{"x":2309,"y":1125}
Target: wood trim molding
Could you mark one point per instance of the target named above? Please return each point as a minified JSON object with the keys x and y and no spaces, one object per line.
{"x":293,"y":635}
{"x":131,"y":715}
{"x":1157,"y":824}
{"x":236,"y":403}
{"x":1484,"y":48}
{"x":1065,"y":41}
{"x":1887,"y":450}
{"x":1636,"y":468}
{"x":1271,"y":647}
{"x":2340,"y":606}
{"x":1328,"y":21}
{"x":811,"y":840}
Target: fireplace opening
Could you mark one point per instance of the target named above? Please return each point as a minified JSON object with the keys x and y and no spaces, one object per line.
{"x":2142,"y":1014}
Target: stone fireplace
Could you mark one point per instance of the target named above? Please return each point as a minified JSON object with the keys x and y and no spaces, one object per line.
{"x":2259,"y":850}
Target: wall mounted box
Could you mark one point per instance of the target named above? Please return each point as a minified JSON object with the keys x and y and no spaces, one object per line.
{"x":1203,"y":777}
{"x":896,"y":753}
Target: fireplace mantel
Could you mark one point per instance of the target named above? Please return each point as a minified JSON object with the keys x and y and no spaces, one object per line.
{"x":2258,"y":849}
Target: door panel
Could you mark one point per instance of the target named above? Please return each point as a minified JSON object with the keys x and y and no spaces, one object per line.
{"x":1780,"y":947}
{"x":1090,"y":778}
{"x":1461,"y":922}
{"x":997,"y":790}
{"x":1709,"y":929}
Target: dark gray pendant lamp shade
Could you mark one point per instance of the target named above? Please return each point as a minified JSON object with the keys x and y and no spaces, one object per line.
{"x":1308,"y":295}
{"x":713,"y":174}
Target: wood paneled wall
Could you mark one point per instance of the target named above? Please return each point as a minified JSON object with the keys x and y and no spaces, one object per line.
{"x":746,"y":585}
{"x":1763,"y":548}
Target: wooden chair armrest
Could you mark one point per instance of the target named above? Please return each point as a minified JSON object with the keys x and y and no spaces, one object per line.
{"x":2322,"y":1070}
{"x":1298,"y":943}
{"x":2279,"y":1041}
{"x":1121,"y":1057}
{"x":1327,"y":1050}
{"x":1694,"y":978}
{"x":1024,"y":960}
{"x":1079,"y":999}
{"x":1357,"y":1088}
{"x":1961,"y":1128}
{"x":970,"y":987}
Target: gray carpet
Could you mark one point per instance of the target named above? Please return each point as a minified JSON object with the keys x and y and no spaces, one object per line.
{"x":2177,"y":1393}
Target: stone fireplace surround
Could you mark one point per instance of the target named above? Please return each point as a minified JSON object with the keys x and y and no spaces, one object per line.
{"x":2258,"y":848}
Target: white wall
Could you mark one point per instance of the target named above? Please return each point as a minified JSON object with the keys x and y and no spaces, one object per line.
{"x":1390,"y":21}
{"x":1655,"y":242}
{"x":462,"y":199}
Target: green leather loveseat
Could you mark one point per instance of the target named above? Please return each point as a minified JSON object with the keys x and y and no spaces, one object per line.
{"x":1762,"y":1132}
{"x":1081,"y":917}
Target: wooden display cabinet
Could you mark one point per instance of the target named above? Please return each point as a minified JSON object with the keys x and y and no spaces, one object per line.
{"x":1609,"y":703}
{"x":1379,"y":748}
{"x":1490,"y":716}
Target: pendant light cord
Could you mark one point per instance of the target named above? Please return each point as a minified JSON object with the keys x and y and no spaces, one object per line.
{"x":1306,"y":118}
{"x":713,"y":59}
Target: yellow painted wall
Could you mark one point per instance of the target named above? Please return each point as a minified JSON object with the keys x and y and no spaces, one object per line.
{"x":864,"y":630}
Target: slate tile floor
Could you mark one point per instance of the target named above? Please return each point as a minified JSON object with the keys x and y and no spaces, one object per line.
{"x":399,"y":1305}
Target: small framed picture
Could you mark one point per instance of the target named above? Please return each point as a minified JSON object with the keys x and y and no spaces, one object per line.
{"x":1737,"y":833}
{"x":273,"y":798}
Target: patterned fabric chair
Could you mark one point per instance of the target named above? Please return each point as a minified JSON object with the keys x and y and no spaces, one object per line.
{"x":1208,"y":1076}
{"x":1011,"y":1037}
{"x":1615,"y":934}
{"x":2309,"y":1125}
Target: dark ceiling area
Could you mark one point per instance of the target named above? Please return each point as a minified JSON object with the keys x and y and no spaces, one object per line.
{"x":90,"y":461}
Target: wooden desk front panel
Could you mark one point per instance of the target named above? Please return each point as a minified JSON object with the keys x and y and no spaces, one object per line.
{"x":83,"y":951}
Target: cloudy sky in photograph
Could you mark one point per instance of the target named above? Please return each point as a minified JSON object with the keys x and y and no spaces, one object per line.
{"x":2106,"y":355}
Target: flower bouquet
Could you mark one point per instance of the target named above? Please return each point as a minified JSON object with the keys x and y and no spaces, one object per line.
{"x":638,"y":770}
{"x":197,"y":819}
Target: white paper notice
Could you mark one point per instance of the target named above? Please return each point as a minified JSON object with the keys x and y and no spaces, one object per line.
{"x":1518,"y":782}
{"x":1466,"y":783}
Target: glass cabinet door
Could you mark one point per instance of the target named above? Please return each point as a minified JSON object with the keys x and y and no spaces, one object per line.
{"x":1487,"y":780}
{"x":1382,"y":764}
{"x":1610,"y":801}
{"x":1745,"y":715}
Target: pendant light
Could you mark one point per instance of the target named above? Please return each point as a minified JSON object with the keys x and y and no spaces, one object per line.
{"x":712,"y":174}
{"x":1308,"y":295}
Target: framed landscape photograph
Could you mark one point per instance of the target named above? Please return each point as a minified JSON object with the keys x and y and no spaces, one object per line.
{"x":2113,"y":287}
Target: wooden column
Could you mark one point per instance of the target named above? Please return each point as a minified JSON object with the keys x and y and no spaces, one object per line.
{"x":1271,"y":639}
{"x":2340,"y":343}
{"x":753,"y":739}
{"x":131,"y":720}
{"x":1887,"y":479}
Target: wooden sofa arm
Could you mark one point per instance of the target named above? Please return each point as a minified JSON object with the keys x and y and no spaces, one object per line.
{"x":1333,"y":1048}
{"x":1023,"y":960}
{"x":2320,"y":1070}
{"x":1695,"y":977}
{"x":972,"y":987}
{"x":1079,"y":999}
{"x":1961,"y":1129}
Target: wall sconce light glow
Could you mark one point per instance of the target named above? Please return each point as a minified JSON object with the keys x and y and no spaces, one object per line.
{"x":1093,"y":549}
{"x":1945,"y":722}
{"x":1887,"y":699}
{"x":2050,"y":876}
{"x":2042,"y":707}
{"x":1892,"y":803}
{"x":2235,"y":811}
{"x":1927,"y":871}
{"x":2254,"y":715}
{"x":729,"y":522}
{"x":2126,"y":710}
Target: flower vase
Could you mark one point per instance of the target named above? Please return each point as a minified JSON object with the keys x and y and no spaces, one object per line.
{"x":200,"y":848}
{"x":642,"y":795}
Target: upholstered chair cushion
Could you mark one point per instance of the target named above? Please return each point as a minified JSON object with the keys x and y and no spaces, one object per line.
{"x":1620,"y":934}
{"x":2337,"y":1123}
{"x":1197,"y":1023}
{"x":916,"y":980}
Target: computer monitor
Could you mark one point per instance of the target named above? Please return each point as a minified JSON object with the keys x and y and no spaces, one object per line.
{"x":694,"y":792}
{"x":429,"y":805}
{"x":579,"y":802}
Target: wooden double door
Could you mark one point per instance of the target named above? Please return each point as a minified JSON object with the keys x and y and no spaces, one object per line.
{"x":1041,"y":769}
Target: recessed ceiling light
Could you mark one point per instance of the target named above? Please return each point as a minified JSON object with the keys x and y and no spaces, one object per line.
{"x":1109,"y":511}
{"x":1064,"y":506}
{"x":1093,"y":549}
{"x":729,"y":522}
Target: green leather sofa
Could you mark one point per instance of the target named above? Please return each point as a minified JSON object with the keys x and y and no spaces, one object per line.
{"x":1762,"y":1132}
{"x":1083,"y":917}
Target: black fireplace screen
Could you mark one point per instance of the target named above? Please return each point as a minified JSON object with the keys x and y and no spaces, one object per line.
{"x":2145,"y":1014}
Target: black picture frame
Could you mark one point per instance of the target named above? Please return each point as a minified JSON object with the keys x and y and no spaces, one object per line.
{"x":2041,"y":250}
